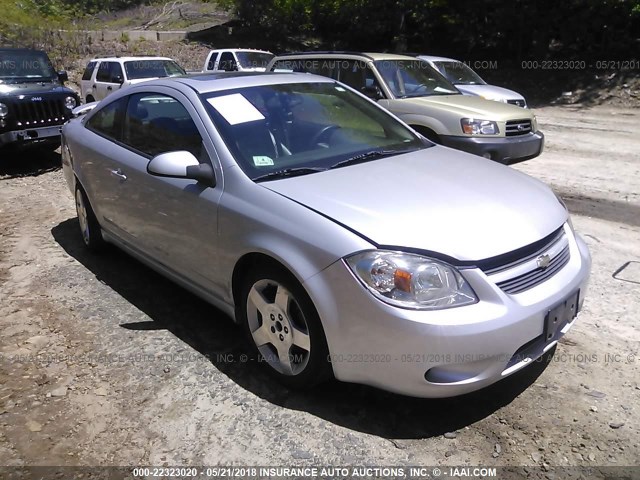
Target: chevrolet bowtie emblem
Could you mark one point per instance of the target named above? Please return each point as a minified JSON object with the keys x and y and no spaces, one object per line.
{"x":543,"y":261}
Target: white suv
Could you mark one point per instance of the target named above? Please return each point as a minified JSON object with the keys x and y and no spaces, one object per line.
{"x":105,"y":75}
{"x":237,"y":60}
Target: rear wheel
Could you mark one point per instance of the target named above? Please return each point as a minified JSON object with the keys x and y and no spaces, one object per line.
{"x":89,"y":226}
{"x":90,"y":99}
{"x":283,"y":327}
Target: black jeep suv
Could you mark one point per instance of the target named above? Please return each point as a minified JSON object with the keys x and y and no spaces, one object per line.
{"x":34,"y":103}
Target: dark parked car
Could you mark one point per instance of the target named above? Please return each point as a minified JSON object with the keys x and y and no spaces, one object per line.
{"x":34,"y":103}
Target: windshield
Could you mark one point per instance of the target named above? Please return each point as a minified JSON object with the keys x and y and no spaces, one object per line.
{"x":304,"y":128}
{"x":459,"y":74}
{"x":413,"y":78}
{"x":254,"y":59}
{"x":25,"y":66}
{"x":152,"y":69}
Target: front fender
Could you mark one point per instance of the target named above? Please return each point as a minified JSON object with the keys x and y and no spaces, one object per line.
{"x":420,"y":120}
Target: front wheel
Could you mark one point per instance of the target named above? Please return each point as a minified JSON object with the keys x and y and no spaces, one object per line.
{"x":89,"y":226}
{"x":283,"y":328}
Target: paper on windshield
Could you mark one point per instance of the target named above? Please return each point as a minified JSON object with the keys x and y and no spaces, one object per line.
{"x":262,"y":161}
{"x":236,"y":109}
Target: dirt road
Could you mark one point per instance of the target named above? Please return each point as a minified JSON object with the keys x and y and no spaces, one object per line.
{"x":104,"y":362}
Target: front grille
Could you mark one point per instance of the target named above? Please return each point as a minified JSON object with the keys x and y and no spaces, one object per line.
{"x":518,"y":127}
{"x":30,"y":114}
{"x":535,"y":277}
{"x":522,"y":255}
{"x":519,"y":271}
{"x":519,"y":103}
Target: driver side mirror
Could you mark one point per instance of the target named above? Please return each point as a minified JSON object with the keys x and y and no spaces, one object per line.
{"x":373,"y":92}
{"x":63,"y":76}
{"x":181,"y":164}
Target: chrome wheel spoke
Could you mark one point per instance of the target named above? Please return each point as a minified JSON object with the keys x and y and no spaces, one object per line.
{"x":258,"y":301}
{"x":285,"y":360}
{"x":301,"y":339}
{"x":261,"y":335}
{"x":282,"y":299}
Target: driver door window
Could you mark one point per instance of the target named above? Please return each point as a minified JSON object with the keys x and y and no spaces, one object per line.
{"x":156,"y":123}
{"x":116,"y":73}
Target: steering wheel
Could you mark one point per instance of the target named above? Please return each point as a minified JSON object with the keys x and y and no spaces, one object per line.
{"x":419,"y":86}
{"x":324,"y":132}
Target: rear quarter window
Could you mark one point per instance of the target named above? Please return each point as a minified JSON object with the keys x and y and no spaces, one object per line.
{"x":107,"y":122}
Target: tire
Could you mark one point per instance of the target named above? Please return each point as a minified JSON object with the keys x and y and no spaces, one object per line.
{"x":90,"y":99}
{"x":283,"y":328}
{"x":89,"y":226}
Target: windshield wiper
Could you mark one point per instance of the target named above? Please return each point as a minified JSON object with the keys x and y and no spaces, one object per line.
{"x":367,"y":156}
{"x":289,"y":172}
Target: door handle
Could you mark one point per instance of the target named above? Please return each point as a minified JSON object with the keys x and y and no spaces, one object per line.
{"x":109,"y":88}
{"x":118,"y":173}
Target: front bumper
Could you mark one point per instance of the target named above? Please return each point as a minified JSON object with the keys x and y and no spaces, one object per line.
{"x":507,"y":150}
{"x":31,"y":136}
{"x":463,"y":349}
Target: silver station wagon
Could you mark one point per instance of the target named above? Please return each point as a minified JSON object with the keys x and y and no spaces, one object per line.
{"x":343,"y":242}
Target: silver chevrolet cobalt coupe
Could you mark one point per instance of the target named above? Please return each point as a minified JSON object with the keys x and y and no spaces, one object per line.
{"x":341,"y":240}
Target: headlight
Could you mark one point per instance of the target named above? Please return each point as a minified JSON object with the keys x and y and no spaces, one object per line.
{"x":411,"y":281}
{"x":493,"y":99}
{"x":4,"y":110}
{"x":70,"y":103}
{"x":479,"y":127}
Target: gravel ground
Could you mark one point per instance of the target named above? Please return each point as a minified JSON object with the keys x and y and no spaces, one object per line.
{"x":104,"y":362}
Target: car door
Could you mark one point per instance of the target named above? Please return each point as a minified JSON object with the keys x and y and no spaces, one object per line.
{"x":103,"y":77}
{"x":109,"y":79}
{"x":173,"y":221}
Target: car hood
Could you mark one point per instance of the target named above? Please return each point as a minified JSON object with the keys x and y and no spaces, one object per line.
{"x":437,"y":199}
{"x":490,"y":92}
{"x":30,"y":88}
{"x":463,"y":105}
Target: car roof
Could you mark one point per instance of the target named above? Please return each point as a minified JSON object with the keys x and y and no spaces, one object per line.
{"x":369,"y":55}
{"x":128,"y":59}
{"x":214,"y":82}
{"x":432,"y":58}
{"x":240,"y":50}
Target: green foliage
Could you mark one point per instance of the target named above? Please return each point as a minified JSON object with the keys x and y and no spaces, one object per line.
{"x":516,"y":29}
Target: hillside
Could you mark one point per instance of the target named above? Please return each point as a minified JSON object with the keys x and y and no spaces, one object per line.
{"x":54,"y":30}
{"x":187,"y":15}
